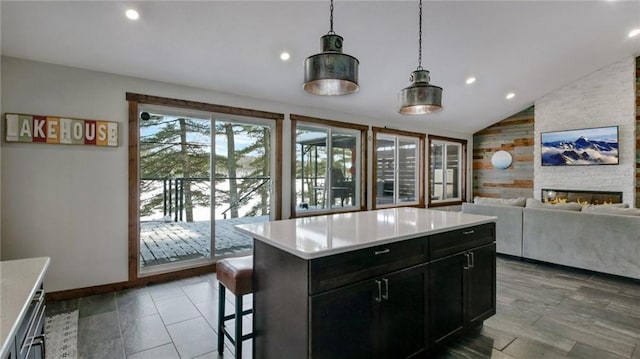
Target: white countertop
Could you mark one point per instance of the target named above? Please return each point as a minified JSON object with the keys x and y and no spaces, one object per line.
{"x":19,"y":280}
{"x":319,"y":236}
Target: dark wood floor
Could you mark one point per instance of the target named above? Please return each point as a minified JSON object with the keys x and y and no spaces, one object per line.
{"x":543,"y":312}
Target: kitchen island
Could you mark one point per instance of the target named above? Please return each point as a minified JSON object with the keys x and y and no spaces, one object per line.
{"x":393,"y":283}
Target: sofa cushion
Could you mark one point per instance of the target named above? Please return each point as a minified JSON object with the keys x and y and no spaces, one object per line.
{"x":571,"y":206}
{"x":612,"y":210}
{"x":518,"y":202}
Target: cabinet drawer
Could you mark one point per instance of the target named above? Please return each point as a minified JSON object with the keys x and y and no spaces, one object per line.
{"x":341,"y":269}
{"x":444,"y":244}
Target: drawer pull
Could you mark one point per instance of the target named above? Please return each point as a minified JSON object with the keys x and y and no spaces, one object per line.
{"x":469,"y":232}
{"x":384,"y":251}
{"x":38,"y":296}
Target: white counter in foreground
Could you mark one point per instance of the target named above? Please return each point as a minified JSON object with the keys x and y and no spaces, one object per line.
{"x":19,"y":280}
{"x":319,"y":236}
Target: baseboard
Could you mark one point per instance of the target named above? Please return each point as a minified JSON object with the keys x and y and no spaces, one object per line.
{"x":139,"y":282}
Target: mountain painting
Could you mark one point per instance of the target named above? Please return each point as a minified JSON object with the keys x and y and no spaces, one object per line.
{"x":592,"y":146}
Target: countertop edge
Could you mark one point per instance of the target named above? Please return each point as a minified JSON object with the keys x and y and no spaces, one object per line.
{"x":329,"y":252}
{"x":23,"y":311}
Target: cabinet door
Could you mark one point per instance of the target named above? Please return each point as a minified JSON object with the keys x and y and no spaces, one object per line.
{"x":446,"y":297}
{"x":481,"y":284}
{"x":343,"y":322}
{"x":403,"y":313}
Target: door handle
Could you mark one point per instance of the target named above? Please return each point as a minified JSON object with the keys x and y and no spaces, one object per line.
{"x":466,"y":264}
{"x":384,"y":251}
{"x":379,"y":297}
{"x":473,"y":260}
{"x":469,"y":232}
{"x":385,"y":296}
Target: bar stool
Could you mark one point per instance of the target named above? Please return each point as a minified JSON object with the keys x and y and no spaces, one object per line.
{"x":236,"y":275}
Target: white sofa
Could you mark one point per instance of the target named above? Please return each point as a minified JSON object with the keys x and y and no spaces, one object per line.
{"x":508,"y":225}
{"x":607,"y":242}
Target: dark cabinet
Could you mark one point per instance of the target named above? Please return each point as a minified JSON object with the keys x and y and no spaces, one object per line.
{"x":378,"y":318}
{"x":342,"y":322}
{"x":463,"y":293}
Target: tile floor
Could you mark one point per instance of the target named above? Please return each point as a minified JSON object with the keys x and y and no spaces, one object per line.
{"x":542,"y":312}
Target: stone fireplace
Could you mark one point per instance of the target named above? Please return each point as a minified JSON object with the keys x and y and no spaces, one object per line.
{"x":584,"y":197}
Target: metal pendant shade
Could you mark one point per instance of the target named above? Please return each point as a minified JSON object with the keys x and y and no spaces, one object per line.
{"x":331,"y":73}
{"x":420,"y":97}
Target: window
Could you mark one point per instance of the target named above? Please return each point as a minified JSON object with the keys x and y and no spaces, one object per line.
{"x":398,"y":176}
{"x":447,"y":169}
{"x":328,"y":171}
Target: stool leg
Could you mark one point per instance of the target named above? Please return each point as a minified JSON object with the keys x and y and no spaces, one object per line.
{"x":238,"y":326}
{"x":221,"y":299}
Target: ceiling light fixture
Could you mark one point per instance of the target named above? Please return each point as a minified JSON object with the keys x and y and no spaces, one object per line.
{"x":470,"y":80}
{"x":634,"y":33}
{"x":331,"y":73}
{"x":132,"y":14}
{"x":420,"y":97}
{"x":285,"y":56}
{"x":510,"y":95}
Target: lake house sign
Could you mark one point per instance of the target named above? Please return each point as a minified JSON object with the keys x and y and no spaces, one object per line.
{"x":60,"y":130}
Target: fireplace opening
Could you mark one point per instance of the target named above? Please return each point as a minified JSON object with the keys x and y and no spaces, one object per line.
{"x":582,"y":197}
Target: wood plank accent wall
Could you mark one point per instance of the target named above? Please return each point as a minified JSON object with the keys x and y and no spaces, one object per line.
{"x":516,"y":136}
{"x":638,"y":132}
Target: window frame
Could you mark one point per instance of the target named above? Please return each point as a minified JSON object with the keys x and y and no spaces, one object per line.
{"x":361,"y":185}
{"x":420,"y":161}
{"x":463,"y":171}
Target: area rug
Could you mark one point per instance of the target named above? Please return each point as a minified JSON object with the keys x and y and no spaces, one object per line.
{"x":61,"y":336}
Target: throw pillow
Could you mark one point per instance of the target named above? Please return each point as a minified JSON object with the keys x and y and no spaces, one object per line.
{"x":612,"y":210}
{"x":517,"y":202}
{"x":571,"y":206}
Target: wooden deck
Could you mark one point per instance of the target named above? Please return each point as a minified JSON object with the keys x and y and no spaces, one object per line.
{"x":169,"y":242}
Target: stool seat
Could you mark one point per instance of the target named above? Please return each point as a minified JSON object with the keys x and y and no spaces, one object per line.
{"x":236,"y":274}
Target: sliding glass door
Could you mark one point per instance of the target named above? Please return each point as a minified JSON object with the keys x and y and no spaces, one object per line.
{"x":200,"y":174}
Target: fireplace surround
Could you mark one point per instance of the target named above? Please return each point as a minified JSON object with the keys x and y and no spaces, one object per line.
{"x":584,"y":197}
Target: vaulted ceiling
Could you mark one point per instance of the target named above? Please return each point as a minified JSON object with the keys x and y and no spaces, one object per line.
{"x":529,"y":48}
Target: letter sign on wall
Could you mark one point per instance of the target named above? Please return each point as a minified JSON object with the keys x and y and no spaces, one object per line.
{"x":60,"y":130}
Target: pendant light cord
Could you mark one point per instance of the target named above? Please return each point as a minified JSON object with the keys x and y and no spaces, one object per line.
{"x":331,"y":19}
{"x":419,"y":35}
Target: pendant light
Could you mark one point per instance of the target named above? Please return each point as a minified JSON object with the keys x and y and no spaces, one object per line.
{"x":420,"y":97}
{"x":331,"y":73}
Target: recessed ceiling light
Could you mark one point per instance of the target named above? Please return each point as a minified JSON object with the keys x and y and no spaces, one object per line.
{"x":470,"y":80}
{"x":132,"y":14}
{"x":510,"y":95}
{"x":634,"y":32}
{"x":285,"y":56}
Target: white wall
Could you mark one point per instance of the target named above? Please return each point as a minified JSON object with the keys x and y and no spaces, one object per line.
{"x":603,"y":98}
{"x":70,"y":202}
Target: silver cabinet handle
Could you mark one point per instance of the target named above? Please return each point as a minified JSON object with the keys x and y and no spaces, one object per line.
{"x":384,"y":251}
{"x":466,"y":264}
{"x":385,"y":296}
{"x":469,"y":232}
{"x":379,"y":297}
{"x":473,"y":260}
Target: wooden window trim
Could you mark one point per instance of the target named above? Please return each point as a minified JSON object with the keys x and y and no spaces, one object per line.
{"x":463,"y":184}
{"x":134,"y":175}
{"x":421,"y":172}
{"x":363,"y":154}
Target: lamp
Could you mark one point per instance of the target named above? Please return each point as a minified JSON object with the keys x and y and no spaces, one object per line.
{"x":331,"y":73}
{"x":420,"y":97}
